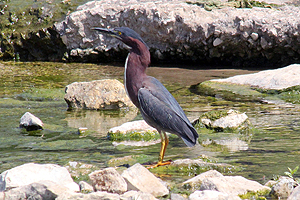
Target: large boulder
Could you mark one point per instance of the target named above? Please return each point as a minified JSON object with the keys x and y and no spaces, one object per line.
{"x":98,"y":94}
{"x":177,"y":30}
{"x":30,"y":173}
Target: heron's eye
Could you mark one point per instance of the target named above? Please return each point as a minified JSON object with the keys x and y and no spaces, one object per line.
{"x":120,"y":33}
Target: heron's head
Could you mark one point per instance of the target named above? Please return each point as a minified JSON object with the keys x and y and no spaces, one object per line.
{"x":124,"y":34}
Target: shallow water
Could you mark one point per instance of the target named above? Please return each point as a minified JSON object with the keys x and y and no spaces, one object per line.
{"x":39,"y":89}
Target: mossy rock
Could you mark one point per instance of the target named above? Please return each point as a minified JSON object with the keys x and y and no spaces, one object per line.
{"x":189,"y":167}
{"x":229,"y":121}
{"x":228,"y":91}
{"x":134,"y":136}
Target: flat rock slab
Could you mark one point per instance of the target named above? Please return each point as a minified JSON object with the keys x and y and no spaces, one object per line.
{"x":140,"y":179}
{"x":30,"y":173}
{"x":277,"y":79}
{"x":98,"y":94}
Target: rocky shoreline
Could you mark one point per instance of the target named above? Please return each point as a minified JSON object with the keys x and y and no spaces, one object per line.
{"x":51,"y":181}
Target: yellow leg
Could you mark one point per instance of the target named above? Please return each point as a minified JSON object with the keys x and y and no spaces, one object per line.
{"x":164,"y":144}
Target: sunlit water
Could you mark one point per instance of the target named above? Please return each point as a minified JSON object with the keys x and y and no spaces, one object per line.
{"x":273,"y":147}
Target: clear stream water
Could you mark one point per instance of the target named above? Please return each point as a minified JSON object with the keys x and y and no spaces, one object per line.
{"x":39,"y":89}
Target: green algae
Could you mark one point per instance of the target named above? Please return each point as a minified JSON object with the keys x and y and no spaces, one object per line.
{"x":228,"y":91}
{"x":26,"y":25}
{"x":216,"y":4}
{"x":134,"y":136}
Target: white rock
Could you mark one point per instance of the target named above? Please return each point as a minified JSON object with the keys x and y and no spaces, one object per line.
{"x":85,"y":187}
{"x":108,"y":180}
{"x":217,"y":42}
{"x":139,"y":125}
{"x":232,"y":185}
{"x":269,"y":79}
{"x":30,"y":122}
{"x":140,"y":179}
{"x":31,"y":173}
{"x":212,"y":195}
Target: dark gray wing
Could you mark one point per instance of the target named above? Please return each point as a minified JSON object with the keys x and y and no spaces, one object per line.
{"x":161,"y":110}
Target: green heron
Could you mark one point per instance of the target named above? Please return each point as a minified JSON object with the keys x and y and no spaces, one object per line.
{"x":156,"y":104}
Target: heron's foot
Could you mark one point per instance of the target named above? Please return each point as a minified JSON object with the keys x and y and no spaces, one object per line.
{"x":159,"y":164}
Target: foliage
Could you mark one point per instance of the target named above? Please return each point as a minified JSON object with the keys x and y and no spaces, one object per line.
{"x":291,"y":173}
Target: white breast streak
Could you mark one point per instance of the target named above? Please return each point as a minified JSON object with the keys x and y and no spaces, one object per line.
{"x":125,"y":74}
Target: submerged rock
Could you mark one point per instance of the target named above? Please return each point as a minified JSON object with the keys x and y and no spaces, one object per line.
{"x":140,"y":179}
{"x":230,"y":120}
{"x":99,"y":94}
{"x":31,"y":122}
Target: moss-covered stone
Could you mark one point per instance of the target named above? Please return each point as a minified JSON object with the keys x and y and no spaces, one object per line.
{"x":134,"y":135}
{"x":188,"y":167}
{"x":228,"y":91}
{"x":259,"y":195}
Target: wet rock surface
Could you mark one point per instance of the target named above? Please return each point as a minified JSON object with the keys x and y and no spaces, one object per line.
{"x":173,"y":31}
{"x":99,"y":94}
{"x":30,"y":122}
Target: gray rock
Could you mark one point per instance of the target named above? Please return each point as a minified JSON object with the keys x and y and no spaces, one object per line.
{"x":108,"y":180}
{"x":269,"y":79}
{"x":140,"y":179}
{"x":283,"y":188}
{"x":174,"y":28}
{"x":31,"y":173}
{"x":31,"y":191}
{"x":295,"y":195}
{"x":30,"y":122}
{"x":99,"y":94}
{"x":212,"y":195}
{"x":136,"y":195}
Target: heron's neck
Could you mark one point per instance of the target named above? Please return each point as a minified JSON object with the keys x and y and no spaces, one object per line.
{"x":135,"y":70}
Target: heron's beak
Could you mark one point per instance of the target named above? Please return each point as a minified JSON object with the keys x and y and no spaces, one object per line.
{"x":111,"y":32}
